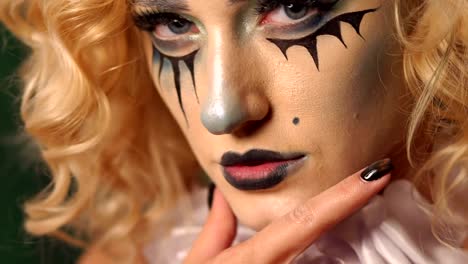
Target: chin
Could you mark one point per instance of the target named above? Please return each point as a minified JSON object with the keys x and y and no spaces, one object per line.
{"x":254,"y":222}
{"x":262,"y":211}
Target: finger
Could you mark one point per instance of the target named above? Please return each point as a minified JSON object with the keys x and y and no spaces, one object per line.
{"x":218,"y":232}
{"x":287,"y":237}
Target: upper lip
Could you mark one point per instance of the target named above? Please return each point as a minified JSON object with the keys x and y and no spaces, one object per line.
{"x":257,"y":156}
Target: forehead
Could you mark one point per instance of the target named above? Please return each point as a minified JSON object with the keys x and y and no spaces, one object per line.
{"x":161,"y":4}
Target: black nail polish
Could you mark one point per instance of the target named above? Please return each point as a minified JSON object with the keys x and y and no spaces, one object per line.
{"x":377,"y":170}
{"x":211,"y":189}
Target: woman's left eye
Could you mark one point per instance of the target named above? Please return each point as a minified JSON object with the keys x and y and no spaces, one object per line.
{"x":286,"y":14}
{"x":175,"y":28}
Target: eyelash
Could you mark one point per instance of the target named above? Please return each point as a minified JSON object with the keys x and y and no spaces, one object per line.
{"x":151,"y":18}
{"x":265,"y":6}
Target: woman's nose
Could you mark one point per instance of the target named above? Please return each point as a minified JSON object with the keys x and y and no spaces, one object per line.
{"x":235,"y":95}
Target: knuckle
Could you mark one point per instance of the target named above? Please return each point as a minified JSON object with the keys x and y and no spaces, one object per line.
{"x":346,"y":189}
{"x":224,"y":257}
{"x":250,"y":251}
{"x":304,"y":214}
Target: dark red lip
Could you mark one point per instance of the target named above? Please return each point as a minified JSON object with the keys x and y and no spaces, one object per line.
{"x":257,"y":169}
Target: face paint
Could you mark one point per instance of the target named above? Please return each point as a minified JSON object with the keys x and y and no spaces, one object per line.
{"x":223,"y":112}
{"x":189,"y":62}
{"x":332,"y":27}
{"x":148,"y":19}
{"x":250,"y":95}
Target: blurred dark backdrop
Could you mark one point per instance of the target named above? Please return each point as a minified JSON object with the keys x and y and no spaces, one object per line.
{"x":20,"y":177}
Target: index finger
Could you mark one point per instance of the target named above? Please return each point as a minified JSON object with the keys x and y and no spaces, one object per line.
{"x":287,"y":237}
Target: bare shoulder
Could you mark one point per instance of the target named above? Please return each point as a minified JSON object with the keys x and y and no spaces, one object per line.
{"x":96,"y":255}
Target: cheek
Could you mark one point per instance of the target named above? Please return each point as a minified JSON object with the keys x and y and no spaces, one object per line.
{"x":355,"y":90}
{"x":349,"y":110}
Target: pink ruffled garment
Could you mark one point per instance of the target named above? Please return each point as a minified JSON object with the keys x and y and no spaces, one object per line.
{"x":391,"y":228}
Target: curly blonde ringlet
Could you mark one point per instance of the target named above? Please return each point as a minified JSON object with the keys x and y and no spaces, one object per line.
{"x":434,"y":35}
{"x":117,"y":159}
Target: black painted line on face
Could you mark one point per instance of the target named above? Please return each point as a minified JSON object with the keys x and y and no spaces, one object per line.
{"x":189,"y":61}
{"x":332,"y":27}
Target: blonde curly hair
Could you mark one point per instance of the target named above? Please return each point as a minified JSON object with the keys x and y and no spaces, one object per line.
{"x":117,"y":158}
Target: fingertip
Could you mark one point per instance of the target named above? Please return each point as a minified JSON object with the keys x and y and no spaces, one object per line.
{"x":221,"y":224}
{"x":377,"y":170}
{"x":378,"y":184}
{"x":218,"y":232}
{"x":220,"y":208}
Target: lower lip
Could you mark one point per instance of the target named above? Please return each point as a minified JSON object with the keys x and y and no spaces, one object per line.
{"x":263,"y":176}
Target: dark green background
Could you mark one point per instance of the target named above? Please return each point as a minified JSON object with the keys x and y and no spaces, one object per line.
{"x":20,"y":177}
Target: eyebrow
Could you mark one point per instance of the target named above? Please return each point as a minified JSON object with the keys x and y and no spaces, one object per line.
{"x":161,"y":5}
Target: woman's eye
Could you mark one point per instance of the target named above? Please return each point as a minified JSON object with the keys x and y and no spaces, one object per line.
{"x":289,"y":14}
{"x":175,"y":28}
{"x":295,"y":12}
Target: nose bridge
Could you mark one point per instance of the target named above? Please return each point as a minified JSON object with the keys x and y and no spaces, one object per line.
{"x":224,"y":63}
{"x":226,"y":105}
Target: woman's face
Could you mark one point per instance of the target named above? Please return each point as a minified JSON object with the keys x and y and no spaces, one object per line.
{"x":279,"y":99}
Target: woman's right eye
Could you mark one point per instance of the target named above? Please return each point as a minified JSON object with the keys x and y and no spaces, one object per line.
{"x":173,"y":27}
{"x":288,"y":14}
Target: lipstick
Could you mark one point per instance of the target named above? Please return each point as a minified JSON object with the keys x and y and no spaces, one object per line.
{"x":259,"y":169}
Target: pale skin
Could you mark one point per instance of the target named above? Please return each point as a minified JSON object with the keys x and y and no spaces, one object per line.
{"x":246,"y":95}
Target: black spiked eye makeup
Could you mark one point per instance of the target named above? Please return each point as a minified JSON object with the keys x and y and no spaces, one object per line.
{"x":171,"y":34}
{"x":189,"y":62}
{"x":332,"y":27}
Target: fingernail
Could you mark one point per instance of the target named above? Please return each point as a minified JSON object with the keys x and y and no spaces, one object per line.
{"x":377,"y":170}
{"x":211,"y":189}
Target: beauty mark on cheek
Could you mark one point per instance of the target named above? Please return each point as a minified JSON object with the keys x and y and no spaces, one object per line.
{"x":189,"y":62}
{"x":296,"y":121}
{"x":332,"y":27}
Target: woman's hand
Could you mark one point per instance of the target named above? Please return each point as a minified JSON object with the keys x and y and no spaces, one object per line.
{"x":284,"y":239}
